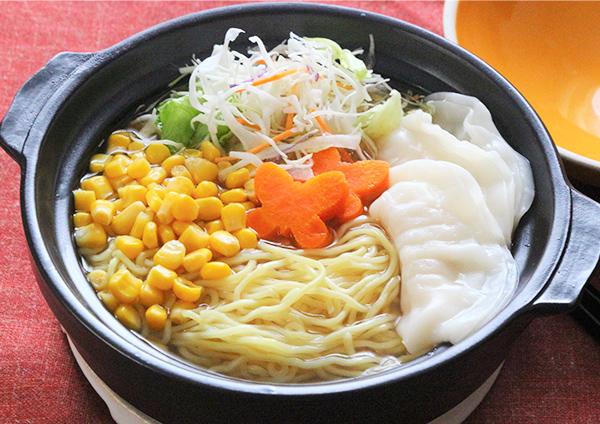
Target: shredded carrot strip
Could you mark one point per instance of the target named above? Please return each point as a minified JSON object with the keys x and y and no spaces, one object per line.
{"x":344,"y":86}
{"x":248,"y":124}
{"x":261,"y":62}
{"x":275,"y":77}
{"x":279,"y":137}
{"x":289,"y":120}
{"x":226,"y":158}
{"x":323,"y":124}
{"x":259,"y":148}
{"x":285,"y":134}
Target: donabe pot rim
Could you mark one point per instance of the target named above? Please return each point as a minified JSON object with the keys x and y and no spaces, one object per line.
{"x":521,"y":303}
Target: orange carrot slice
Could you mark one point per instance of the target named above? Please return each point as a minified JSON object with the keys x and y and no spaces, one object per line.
{"x":247,"y":123}
{"x":274,"y":77}
{"x":297,"y":210}
{"x":289,"y":120}
{"x":367,"y":178}
{"x":353,"y":207}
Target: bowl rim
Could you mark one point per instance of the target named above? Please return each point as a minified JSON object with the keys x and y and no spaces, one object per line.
{"x":449,"y":14}
{"x":521,"y":302}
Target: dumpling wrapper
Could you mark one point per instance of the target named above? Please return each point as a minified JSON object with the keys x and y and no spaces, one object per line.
{"x":457,"y":272}
{"x":461,"y":131}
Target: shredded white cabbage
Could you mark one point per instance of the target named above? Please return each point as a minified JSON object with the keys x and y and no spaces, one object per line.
{"x":301,"y":83}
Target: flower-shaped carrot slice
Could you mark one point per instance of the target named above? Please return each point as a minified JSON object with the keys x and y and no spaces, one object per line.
{"x":367,"y":178}
{"x":293,"y":209}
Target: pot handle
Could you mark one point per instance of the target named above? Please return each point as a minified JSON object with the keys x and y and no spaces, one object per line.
{"x":32,"y":97}
{"x":579,"y":259}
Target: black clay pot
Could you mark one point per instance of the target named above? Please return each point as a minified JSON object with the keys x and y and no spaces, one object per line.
{"x":54,"y":125}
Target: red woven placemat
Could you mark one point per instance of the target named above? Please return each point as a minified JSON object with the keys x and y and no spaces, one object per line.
{"x":552,"y":374}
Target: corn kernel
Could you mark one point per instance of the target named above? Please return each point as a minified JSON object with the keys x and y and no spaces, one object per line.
{"x":237,"y":179}
{"x":84,"y":199}
{"x":154,"y":199}
{"x":156,"y":317}
{"x":135,"y":146}
{"x":193,"y":262}
{"x":130,"y":246}
{"x":150,"y":236}
{"x":223,"y":164}
{"x":119,"y":205}
{"x":150,"y":295}
{"x":139,"y":154}
{"x":172,"y":161}
{"x":91,"y":236}
{"x":180,"y":226}
{"x":118,"y":141}
{"x":156,"y":175}
{"x":139,"y":224}
{"x":181,"y":171}
{"x":237,"y":195}
{"x":205,"y":189}
{"x":185,"y":208}
{"x":181,"y":185}
{"x":215,"y":271}
{"x":120,"y":182}
{"x":224,"y":243}
{"x":214,"y":225}
{"x":203,"y":170}
{"x":156,"y":153}
{"x":129,"y":317}
{"x":209,"y":151}
{"x":192,"y":153}
{"x":102,"y":211}
{"x":186,"y":290}
{"x":197,"y":168}
{"x":164,"y":215}
{"x":161,"y":278}
{"x":166,"y":233}
{"x":132,"y":193}
{"x":138,"y":168}
{"x":124,"y":286}
{"x":177,"y":311}
{"x":98,"y":278}
{"x":98,"y":161}
{"x":124,"y":220}
{"x":117,"y":167}
{"x":233,"y":216}
{"x":248,"y":205}
{"x":194,"y":238}
{"x":81,"y":218}
{"x":247,"y":238}
{"x":209,"y":208}
{"x":109,"y":300}
{"x":100,"y":185}
{"x":250,"y":191}
{"x":171,"y":254}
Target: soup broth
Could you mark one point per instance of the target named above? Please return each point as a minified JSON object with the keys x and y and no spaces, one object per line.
{"x":549,"y":51}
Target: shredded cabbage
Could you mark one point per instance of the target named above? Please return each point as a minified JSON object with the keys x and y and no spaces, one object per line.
{"x":304,"y":95}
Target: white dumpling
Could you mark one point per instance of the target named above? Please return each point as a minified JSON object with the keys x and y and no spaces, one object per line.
{"x":468,"y":119}
{"x":457,"y":272}
{"x":502,"y":174}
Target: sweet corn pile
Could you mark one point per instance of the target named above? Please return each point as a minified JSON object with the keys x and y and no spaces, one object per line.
{"x":153,"y":225}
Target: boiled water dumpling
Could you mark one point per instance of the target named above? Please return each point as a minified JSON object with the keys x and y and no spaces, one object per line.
{"x":468,"y":119}
{"x":457,"y":272}
{"x":503,"y":175}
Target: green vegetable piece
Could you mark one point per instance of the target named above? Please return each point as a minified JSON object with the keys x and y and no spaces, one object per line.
{"x":384,"y":118}
{"x":345,"y":57}
{"x":174,"y":120}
